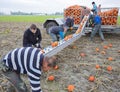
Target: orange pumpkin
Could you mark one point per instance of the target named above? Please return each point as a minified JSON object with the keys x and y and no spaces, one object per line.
{"x":70,"y":36}
{"x":110,"y":45}
{"x":56,"y":67}
{"x":78,"y":31}
{"x":51,"y":78}
{"x":105,"y":47}
{"x":53,"y":44}
{"x":103,"y":52}
{"x":110,"y":59}
{"x":85,"y":18}
{"x":97,"y":49}
{"x":74,"y":47}
{"x":97,"y":66}
{"x":91,"y":78}
{"x":70,"y":88}
{"x":109,"y":68}
{"x":56,"y":43}
{"x":80,"y":26}
{"x":82,"y":54}
{"x":66,"y":38}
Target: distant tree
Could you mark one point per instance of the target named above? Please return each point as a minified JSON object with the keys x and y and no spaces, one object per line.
{"x":58,"y":13}
{"x":19,"y":13}
{"x":1,"y":13}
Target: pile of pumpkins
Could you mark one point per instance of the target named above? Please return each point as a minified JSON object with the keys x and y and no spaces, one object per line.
{"x":109,"y":17}
{"x":77,"y":12}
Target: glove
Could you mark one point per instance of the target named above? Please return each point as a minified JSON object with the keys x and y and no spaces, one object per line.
{"x":3,"y":67}
{"x":61,"y":34}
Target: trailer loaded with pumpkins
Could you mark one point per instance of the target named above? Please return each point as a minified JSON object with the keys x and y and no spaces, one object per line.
{"x":82,"y":18}
{"x":109,"y":18}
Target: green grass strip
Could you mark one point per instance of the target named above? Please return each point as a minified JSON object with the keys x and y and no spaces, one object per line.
{"x":29,"y":18}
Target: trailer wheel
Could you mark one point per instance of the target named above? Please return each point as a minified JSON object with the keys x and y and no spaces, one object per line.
{"x":50,"y":24}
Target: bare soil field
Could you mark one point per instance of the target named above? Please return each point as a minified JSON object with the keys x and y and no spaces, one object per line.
{"x":73,"y":68}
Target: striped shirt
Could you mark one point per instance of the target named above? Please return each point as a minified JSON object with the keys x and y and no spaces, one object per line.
{"x":26,"y":60}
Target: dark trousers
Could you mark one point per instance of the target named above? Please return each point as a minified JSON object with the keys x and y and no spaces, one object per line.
{"x":97,"y":28}
{"x":13,"y":77}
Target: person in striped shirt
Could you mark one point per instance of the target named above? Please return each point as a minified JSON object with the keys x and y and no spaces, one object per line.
{"x":25,"y":60}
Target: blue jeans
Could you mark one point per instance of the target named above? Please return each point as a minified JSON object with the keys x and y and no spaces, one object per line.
{"x":54,"y":36}
{"x":97,"y":28}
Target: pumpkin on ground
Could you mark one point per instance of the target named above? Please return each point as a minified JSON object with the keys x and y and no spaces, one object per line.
{"x":82,"y":54}
{"x":70,"y":88}
{"x":51,"y":78}
{"x":105,"y":47}
{"x":91,"y":78}
{"x":109,"y":68}
{"x":97,"y":49}
{"x":110,"y":59}
{"x":103,"y":52}
{"x":110,"y":45}
{"x":97,"y":66}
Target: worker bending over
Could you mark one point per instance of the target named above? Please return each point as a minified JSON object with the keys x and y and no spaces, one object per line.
{"x":25,"y":60}
{"x":32,"y":37}
{"x":56,"y":33}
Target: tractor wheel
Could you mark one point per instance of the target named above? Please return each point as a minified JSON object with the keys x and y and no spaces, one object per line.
{"x":50,"y":24}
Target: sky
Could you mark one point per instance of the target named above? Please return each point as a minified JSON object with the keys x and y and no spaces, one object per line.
{"x":50,"y":6}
